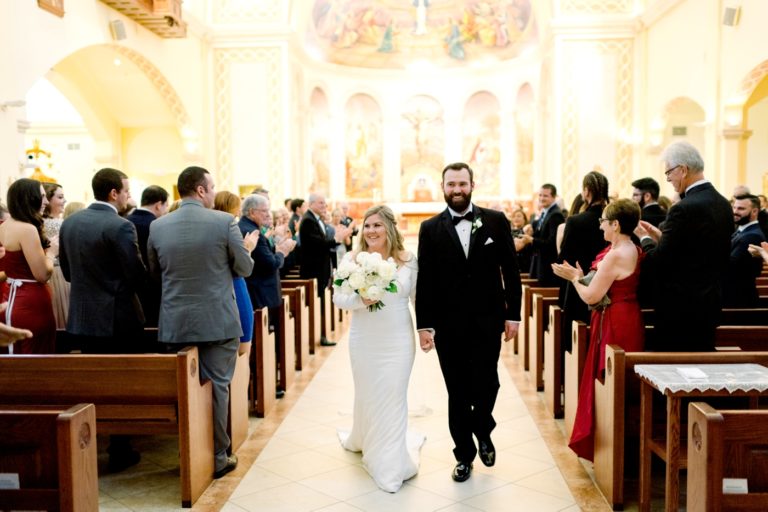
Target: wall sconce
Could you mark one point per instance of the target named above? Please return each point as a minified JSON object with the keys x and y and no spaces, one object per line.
{"x":15,"y":103}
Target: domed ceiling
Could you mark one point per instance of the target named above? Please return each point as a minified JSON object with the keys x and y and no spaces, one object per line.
{"x":401,"y":33}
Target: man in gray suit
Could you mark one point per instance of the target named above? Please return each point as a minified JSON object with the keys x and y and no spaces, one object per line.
{"x":99,"y":255}
{"x":196,"y":251}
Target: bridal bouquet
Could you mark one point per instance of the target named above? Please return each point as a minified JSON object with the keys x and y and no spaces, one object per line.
{"x":368,"y":275}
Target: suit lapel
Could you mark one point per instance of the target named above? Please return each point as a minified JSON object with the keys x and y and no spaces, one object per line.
{"x":448,"y":225}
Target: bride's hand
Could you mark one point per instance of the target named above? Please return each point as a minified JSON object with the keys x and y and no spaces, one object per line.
{"x":369,"y":302}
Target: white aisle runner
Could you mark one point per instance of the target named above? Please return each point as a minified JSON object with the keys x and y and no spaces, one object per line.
{"x":303,"y":467}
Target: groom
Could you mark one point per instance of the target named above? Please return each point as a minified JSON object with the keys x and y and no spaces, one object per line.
{"x":468,"y":293}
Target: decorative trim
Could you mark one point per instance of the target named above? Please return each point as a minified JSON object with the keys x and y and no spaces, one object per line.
{"x":752,"y":79}
{"x":736,"y":133}
{"x":595,"y":6}
{"x":622,"y":172}
{"x":223,"y":58}
{"x":263,"y":11}
{"x":159,"y":82}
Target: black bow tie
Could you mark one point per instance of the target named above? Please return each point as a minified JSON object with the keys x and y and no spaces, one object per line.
{"x":470,"y":216}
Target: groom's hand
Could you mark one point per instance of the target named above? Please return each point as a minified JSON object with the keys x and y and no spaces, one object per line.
{"x":510,"y":329}
{"x":426,"y":340}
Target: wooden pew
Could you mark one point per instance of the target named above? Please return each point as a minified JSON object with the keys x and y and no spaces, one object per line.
{"x":517,"y":342}
{"x":525,"y":318}
{"x":134,"y":394}
{"x":300,"y":313}
{"x":620,"y":392}
{"x":553,"y":362}
{"x":286,"y":336}
{"x":574,"y":368}
{"x":53,"y":451}
{"x":540,"y":304}
{"x":750,"y":336}
{"x":730,"y":444}
{"x":263,"y":364}
{"x":314,"y":311}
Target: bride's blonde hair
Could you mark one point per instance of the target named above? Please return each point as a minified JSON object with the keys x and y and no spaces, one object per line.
{"x":395,"y":240}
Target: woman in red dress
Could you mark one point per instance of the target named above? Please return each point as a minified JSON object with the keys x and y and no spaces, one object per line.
{"x":28,"y":264}
{"x":611,"y":291}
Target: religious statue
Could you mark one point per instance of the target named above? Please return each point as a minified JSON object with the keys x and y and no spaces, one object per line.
{"x":420,"y":27}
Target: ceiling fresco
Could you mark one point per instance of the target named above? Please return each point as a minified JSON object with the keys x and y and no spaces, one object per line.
{"x":401,"y":33}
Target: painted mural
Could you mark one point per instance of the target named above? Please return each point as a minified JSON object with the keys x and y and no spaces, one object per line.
{"x":422,"y":146}
{"x":396,"y":33}
{"x":319,"y":127}
{"x":363,"y":148}
{"x":481,"y":142}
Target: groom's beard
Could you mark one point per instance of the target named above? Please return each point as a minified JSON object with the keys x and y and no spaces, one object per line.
{"x":458,"y":201}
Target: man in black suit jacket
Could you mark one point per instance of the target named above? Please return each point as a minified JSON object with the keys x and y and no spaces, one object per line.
{"x":739,"y":289}
{"x":646,"y":194}
{"x":542,"y":235}
{"x":468,"y":294}
{"x":688,"y":255}
{"x":316,"y":248}
{"x":99,"y":255}
{"x":154,"y":204}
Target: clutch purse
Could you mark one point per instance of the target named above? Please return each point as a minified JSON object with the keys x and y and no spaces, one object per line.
{"x":602,"y":303}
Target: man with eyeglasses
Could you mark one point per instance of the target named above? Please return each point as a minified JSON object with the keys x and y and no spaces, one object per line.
{"x":688,"y":256}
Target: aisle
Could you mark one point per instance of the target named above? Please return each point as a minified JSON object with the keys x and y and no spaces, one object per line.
{"x":303,"y":467}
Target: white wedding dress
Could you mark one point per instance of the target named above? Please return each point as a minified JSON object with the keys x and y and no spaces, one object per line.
{"x":382,"y":350}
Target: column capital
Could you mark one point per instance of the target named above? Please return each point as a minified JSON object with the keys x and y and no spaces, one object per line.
{"x":736,"y":133}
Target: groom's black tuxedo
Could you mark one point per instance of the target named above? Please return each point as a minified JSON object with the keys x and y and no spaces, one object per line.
{"x":466,"y":300}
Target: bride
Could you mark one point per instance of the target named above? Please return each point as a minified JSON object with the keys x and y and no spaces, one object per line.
{"x":381,"y":349}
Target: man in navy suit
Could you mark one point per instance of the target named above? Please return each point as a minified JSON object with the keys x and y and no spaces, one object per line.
{"x":688,"y":256}
{"x":99,"y":255}
{"x":467,"y":295}
{"x":154,"y":204}
{"x":268,"y":257}
{"x":542,"y":235}
{"x":739,"y":289}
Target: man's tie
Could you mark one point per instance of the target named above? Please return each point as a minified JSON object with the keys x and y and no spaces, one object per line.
{"x":470,"y":216}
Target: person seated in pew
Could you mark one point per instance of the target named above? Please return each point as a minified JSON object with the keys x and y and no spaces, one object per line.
{"x":611,"y":291}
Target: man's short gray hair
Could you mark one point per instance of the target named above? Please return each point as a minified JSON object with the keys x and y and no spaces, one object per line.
{"x":314,"y":196}
{"x":253,"y":201}
{"x":683,"y":153}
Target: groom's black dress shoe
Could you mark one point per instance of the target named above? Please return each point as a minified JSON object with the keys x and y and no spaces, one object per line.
{"x":487,"y":452}
{"x":462,"y":471}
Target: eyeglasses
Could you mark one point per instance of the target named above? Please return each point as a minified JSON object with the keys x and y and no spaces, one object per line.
{"x":602,"y":219}
{"x":670,"y":171}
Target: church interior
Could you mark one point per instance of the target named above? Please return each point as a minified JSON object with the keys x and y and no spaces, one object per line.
{"x":365,"y":101}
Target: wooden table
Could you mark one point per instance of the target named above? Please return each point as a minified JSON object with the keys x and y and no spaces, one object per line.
{"x":672,"y":381}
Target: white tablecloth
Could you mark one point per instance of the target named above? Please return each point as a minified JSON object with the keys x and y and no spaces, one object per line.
{"x":705,"y":377}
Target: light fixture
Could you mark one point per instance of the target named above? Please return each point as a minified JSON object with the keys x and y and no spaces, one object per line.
{"x":15,"y":103}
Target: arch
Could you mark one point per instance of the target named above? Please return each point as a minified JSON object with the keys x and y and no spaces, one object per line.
{"x":481,"y":141}
{"x":363,"y":148}
{"x":752,"y":80}
{"x":422,"y":147}
{"x":319,"y":145}
{"x":525,"y":115}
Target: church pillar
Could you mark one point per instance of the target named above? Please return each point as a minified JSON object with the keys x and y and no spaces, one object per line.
{"x":390,"y":160}
{"x":508,"y":167}
{"x":336,"y":148}
{"x":733,"y":159}
{"x":593,"y":89}
{"x":12,"y":129}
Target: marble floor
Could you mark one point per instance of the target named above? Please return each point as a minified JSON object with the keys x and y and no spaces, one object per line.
{"x":293,"y":461}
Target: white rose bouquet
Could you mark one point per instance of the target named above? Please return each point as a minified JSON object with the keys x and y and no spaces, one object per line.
{"x":368,"y":275}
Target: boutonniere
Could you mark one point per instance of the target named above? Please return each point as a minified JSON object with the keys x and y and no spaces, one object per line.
{"x":476,"y":224}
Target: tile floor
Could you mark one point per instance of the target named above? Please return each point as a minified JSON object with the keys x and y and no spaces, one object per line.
{"x":293,"y":461}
